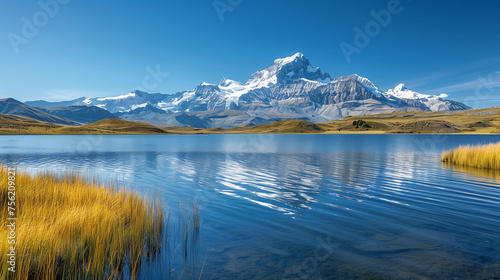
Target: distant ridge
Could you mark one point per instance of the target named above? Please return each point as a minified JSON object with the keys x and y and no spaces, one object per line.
{"x":14,"y":107}
{"x":81,"y":114}
{"x":290,"y":88}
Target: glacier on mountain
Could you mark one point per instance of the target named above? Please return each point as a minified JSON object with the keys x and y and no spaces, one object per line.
{"x":290,"y":88}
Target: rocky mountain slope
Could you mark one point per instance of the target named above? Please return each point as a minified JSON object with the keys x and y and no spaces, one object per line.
{"x":291,"y":88}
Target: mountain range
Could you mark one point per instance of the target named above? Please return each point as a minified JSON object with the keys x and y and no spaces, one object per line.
{"x":291,"y":88}
{"x":13,"y":107}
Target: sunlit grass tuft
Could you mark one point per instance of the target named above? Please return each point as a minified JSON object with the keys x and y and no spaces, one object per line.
{"x":487,"y":157}
{"x":68,"y":228}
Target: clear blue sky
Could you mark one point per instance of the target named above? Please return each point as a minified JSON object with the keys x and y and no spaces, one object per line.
{"x":102,"y":48}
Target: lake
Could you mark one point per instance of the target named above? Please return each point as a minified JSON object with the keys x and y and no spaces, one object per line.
{"x":298,"y":206}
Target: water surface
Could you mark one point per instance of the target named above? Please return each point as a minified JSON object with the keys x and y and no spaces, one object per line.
{"x":310,"y":206}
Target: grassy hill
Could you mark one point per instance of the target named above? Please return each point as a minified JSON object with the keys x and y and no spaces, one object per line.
{"x":286,"y":126}
{"x":113,"y":126}
{"x":471,"y":121}
{"x":12,"y":124}
{"x":480,"y":121}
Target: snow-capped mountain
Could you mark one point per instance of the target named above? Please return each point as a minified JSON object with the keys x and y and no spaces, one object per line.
{"x":287,"y":70}
{"x":290,"y":88}
{"x":433,"y":102}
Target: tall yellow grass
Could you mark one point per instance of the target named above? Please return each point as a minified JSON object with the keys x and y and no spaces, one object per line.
{"x":68,"y":228}
{"x":487,"y":156}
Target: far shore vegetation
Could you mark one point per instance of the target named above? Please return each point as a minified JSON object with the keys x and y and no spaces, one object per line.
{"x":484,"y":157}
{"x":70,"y":228}
{"x":478,"y":121}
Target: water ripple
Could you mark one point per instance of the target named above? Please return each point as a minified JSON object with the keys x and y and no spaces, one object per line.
{"x":387,"y":207}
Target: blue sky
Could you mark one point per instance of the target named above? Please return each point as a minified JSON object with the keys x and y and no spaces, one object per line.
{"x":104,"y":48}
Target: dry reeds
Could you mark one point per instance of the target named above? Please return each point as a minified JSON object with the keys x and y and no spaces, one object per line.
{"x":68,"y":228}
{"x":487,"y":157}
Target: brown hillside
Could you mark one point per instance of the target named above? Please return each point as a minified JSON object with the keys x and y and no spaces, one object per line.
{"x":113,"y":126}
{"x":287,"y":126}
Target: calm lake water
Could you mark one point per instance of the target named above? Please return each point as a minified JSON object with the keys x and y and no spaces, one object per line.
{"x":299,"y":206}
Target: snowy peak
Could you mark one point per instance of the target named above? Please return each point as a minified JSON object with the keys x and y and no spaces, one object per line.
{"x":228,"y":82}
{"x":120,"y":97}
{"x":290,"y":59}
{"x":288,"y":70}
{"x":400,"y":87}
{"x":402,"y":92}
{"x":291,"y":88}
{"x":204,"y":84}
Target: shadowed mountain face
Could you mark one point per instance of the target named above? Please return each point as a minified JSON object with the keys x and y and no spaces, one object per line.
{"x":14,"y":107}
{"x":81,"y":114}
{"x":291,"y":88}
{"x":42,"y":103}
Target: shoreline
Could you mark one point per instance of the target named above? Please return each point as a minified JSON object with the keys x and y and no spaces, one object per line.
{"x":254,"y":133}
{"x":470,"y":122}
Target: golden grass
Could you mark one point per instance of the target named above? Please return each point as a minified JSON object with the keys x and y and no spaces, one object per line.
{"x":68,"y":228}
{"x":11,"y":124}
{"x":285,"y":126}
{"x":113,"y":126}
{"x":487,"y":157}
